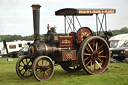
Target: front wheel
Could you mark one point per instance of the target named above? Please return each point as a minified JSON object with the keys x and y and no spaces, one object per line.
{"x":43,"y":68}
{"x":24,"y":67}
{"x":94,"y":55}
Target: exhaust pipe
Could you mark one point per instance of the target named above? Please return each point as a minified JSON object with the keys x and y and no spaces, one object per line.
{"x":36,"y":20}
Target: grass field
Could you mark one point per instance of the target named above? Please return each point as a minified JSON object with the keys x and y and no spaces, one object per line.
{"x":117,"y":74}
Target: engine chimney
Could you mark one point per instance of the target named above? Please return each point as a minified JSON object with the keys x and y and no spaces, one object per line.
{"x":36,"y":20}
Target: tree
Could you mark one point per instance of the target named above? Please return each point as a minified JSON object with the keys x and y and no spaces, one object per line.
{"x":124,"y":30}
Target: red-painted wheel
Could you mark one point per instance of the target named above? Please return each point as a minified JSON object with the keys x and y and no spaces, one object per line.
{"x":24,"y":67}
{"x":43,"y":68}
{"x":95,"y":55}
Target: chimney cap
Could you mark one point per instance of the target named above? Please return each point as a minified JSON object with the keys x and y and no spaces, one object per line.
{"x":36,"y":6}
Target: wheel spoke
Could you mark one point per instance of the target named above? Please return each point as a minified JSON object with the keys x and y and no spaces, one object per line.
{"x":96,"y":45}
{"x":88,"y":62}
{"x":26,"y":61}
{"x":29,"y":62}
{"x":93,"y":44}
{"x":29,"y":67}
{"x":86,"y":59}
{"x":94,"y":65}
{"x":46,"y":63}
{"x":74,"y":67}
{"x":24,"y":72}
{"x":43,"y":73}
{"x":49,"y":69}
{"x":87,"y":49}
{"x":37,"y":67}
{"x":39,"y":63}
{"x":101,"y":51}
{"x":21,"y":69}
{"x":38,"y":70}
{"x":21,"y":65}
{"x":100,"y":60}
{"x":90,"y":47}
{"x":39,"y":74}
{"x":46,"y":73}
{"x":100,"y":46}
{"x":103,"y":56}
{"x":42,"y":61}
{"x":87,"y":54}
{"x":98,"y":64}
{"x":23,"y":62}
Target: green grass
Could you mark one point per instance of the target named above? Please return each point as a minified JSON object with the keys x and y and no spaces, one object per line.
{"x":117,"y":74}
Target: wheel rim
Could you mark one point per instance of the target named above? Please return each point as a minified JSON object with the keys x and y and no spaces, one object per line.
{"x":43,"y":68}
{"x":24,"y":67}
{"x":95,"y":55}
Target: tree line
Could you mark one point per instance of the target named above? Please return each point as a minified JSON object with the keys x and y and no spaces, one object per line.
{"x":121,"y":31}
{"x":9,"y":38}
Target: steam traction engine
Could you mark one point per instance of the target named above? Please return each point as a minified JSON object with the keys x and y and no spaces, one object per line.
{"x":73,"y":51}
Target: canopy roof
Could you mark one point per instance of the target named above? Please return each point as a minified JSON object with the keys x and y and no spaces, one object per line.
{"x":73,"y":11}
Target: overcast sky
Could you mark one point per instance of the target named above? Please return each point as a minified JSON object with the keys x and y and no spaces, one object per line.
{"x":16,"y":15}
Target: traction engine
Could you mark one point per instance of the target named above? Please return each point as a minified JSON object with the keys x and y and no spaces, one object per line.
{"x":72,"y":51}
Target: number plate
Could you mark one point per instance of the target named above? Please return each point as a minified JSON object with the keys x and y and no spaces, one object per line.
{"x":115,"y":54}
{"x":68,"y":55}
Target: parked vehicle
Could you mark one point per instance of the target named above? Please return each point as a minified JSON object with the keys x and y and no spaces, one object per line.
{"x":118,"y":40}
{"x":13,"y":48}
{"x":120,"y":53}
{"x":23,"y":51}
{"x":118,"y":46}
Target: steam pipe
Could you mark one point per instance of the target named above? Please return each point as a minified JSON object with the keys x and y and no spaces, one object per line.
{"x":36,"y":20}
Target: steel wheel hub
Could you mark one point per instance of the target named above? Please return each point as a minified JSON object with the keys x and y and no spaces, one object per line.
{"x":94,"y":55}
{"x":44,"y":68}
{"x":26,"y":67}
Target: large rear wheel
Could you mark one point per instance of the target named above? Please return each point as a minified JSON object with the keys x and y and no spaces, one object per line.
{"x":95,"y":55}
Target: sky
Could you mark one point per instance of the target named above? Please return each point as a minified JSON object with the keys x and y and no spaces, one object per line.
{"x":16,"y":15}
